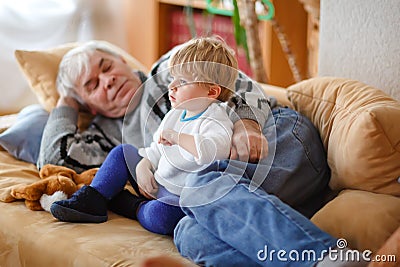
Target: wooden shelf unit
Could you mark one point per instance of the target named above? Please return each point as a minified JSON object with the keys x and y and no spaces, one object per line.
{"x":148,"y":34}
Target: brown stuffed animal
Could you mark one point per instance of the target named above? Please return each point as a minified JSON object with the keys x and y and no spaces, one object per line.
{"x":53,"y":178}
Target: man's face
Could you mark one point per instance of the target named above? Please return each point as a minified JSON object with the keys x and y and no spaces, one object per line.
{"x":108,"y":86}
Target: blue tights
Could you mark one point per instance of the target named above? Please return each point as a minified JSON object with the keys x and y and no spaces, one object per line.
{"x":158,"y":216}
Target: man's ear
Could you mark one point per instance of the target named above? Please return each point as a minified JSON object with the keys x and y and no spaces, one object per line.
{"x":214,"y":91}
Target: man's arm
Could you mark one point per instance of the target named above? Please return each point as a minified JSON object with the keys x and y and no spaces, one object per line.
{"x":250,"y":110}
{"x":250,"y":101}
{"x":63,"y":144}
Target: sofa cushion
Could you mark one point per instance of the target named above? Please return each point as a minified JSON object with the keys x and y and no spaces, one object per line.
{"x":41,"y":67}
{"x":360,"y":129}
{"x":364,"y":219}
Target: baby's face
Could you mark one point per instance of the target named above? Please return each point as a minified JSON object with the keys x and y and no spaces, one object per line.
{"x":186,"y":94}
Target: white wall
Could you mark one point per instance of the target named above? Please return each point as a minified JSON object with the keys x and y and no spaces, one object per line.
{"x":41,"y":24}
{"x":360,"y":39}
{"x":108,"y":21}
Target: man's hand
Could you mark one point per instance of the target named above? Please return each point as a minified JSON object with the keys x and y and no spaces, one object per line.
{"x":248,"y":142}
{"x":68,"y":101}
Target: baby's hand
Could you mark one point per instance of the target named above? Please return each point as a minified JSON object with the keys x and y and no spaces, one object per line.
{"x":145,"y":179}
{"x":168,"y":137}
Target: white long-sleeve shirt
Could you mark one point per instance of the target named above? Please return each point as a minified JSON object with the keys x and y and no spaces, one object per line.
{"x":212,"y":131}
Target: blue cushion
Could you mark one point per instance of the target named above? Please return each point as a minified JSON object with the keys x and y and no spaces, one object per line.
{"x":22,"y":139}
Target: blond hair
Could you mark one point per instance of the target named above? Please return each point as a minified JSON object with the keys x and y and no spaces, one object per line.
{"x":207,"y":60}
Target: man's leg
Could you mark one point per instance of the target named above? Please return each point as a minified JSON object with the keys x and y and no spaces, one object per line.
{"x":295,"y":169}
{"x":299,"y":172}
{"x":197,"y":244}
{"x":254,"y":223}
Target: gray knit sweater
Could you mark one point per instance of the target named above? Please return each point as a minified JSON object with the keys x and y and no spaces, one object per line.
{"x":64,"y":144}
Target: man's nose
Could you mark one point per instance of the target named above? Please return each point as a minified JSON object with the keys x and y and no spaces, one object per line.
{"x":108,"y":80}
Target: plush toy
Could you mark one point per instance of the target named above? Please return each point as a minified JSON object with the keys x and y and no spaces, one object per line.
{"x":56,"y":183}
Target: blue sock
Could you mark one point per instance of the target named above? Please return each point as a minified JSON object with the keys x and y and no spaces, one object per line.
{"x":158,"y":217}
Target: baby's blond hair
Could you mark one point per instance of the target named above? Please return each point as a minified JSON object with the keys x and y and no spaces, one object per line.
{"x":207,"y":60}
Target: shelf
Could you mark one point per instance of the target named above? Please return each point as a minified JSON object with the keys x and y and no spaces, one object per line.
{"x":150,"y":33}
{"x":200,"y":4}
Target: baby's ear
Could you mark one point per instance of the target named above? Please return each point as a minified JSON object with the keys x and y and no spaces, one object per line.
{"x":214,"y":91}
